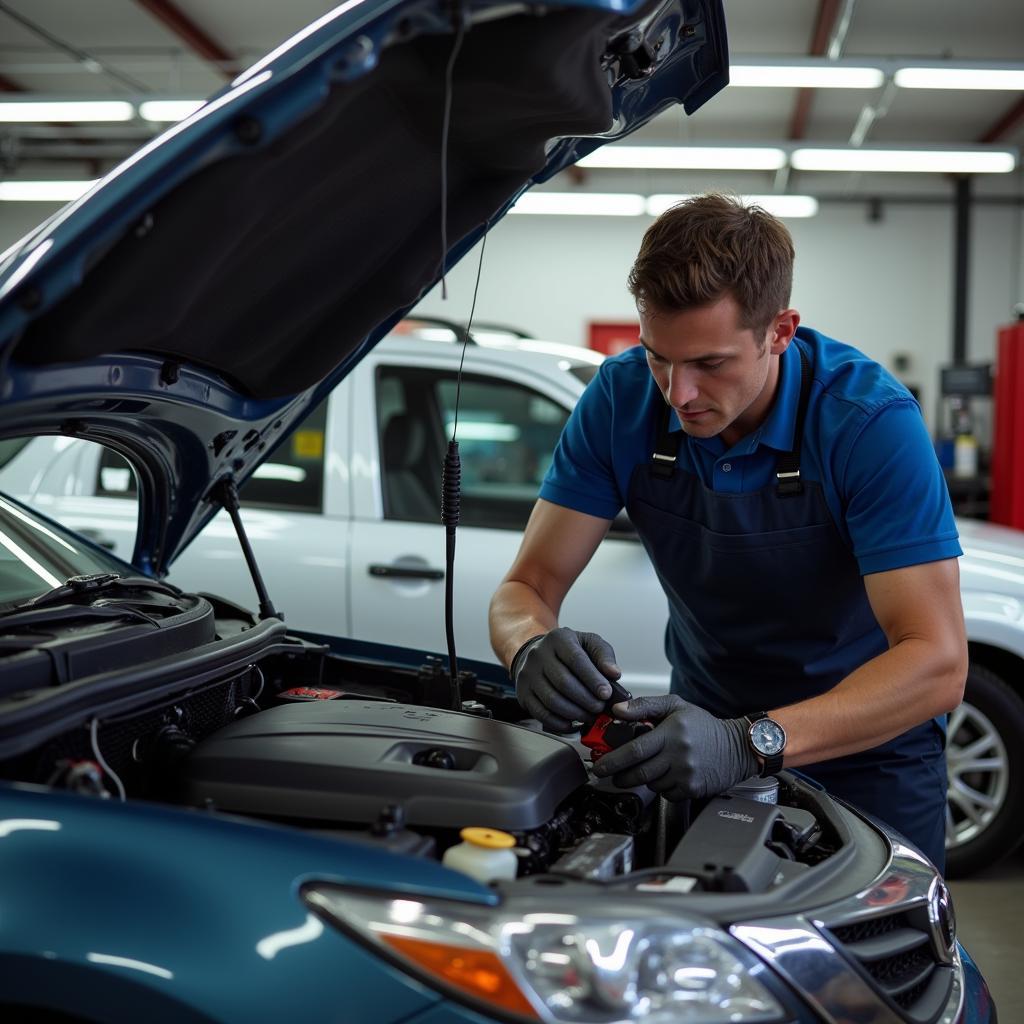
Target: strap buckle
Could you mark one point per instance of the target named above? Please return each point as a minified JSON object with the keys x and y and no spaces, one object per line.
{"x":789,"y":483}
{"x":662,"y":466}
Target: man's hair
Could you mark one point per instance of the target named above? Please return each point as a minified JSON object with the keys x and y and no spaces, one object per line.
{"x":710,"y":246}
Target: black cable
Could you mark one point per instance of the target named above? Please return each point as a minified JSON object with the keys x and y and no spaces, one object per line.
{"x":451,"y":500}
{"x":451,"y":473}
{"x":466,"y":338}
{"x":451,"y":482}
{"x":445,"y":127}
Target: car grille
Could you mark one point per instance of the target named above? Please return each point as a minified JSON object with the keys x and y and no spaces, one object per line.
{"x":898,"y":954}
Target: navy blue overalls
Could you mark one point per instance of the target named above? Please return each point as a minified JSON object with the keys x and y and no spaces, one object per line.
{"x":767,"y":607}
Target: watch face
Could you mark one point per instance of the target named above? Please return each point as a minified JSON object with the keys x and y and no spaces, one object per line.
{"x":768,"y":737}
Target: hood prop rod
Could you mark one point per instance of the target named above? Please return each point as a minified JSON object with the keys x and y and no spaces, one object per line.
{"x":226,"y":493}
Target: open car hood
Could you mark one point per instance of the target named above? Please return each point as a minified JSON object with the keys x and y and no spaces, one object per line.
{"x":192,"y":307}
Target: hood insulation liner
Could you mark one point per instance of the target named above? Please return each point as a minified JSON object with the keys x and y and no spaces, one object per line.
{"x":270,"y":268}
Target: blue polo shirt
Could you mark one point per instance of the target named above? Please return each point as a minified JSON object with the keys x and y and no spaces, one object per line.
{"x":864,"y":441}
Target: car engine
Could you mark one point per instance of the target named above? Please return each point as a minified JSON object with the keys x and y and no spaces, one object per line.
{"x":415,"y":776}
{"x":338,"y":762}
{"x":366,"y":750}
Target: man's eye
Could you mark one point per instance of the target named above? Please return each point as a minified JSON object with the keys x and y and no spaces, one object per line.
{"x":712,"y":366}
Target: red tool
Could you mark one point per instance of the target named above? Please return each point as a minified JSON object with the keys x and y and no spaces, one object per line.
{"x":607,"y":732}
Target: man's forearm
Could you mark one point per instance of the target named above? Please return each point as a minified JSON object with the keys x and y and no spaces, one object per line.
{"x":906,"y":685}
{"x":557,"y":544}
{"x":517,"y":613}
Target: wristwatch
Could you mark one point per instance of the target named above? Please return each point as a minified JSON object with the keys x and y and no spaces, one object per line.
{"x":768,"y":740}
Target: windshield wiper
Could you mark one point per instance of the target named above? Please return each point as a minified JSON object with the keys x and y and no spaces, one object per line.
{"x":92,"y":583}
{"x":15,"y":618}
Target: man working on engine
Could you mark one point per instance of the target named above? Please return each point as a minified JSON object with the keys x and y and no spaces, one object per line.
{"x":786,"y":490}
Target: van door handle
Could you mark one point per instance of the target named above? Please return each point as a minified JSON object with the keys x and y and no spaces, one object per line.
{"x":406,"y":572}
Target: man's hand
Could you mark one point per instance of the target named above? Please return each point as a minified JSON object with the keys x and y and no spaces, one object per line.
{"x":689,"y":753}
{"x":563,"y":676}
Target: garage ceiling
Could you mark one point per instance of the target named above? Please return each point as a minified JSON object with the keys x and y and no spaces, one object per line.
{"x":127,"y":48}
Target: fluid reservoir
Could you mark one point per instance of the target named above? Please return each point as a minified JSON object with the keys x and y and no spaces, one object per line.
{"x":764,"y":791}
{"x":484,"y":854}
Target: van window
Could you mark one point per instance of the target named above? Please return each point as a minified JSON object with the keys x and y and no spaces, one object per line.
{"x":61,"y":477}
{"x":292,"y":475}
{"x":115,"y":477}
{"x":506,"y":432}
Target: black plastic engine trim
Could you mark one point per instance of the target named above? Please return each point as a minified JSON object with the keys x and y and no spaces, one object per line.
{"x":340,"y":761}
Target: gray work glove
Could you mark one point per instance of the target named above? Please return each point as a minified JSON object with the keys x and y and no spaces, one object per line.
{"x":688,"y":754}
{"x":562,"y":677}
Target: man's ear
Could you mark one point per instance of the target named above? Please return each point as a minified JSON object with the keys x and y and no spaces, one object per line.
{"x":781,"y":332}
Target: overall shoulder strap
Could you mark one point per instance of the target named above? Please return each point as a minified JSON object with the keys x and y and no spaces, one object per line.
{"x":787,"y":464}
{"x":666,"y":447}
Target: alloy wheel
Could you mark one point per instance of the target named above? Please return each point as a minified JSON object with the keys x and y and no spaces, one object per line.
{"x":978,"y":771}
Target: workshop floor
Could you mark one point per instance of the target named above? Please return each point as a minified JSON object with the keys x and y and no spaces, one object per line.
{"x":988,"y":910}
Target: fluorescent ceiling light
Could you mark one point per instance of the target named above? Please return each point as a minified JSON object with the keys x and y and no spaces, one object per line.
{"x":785,"y":206}
{"x":43,"y":191}
{"x":584,"y":204}
{"x":837,"y":76}
{"x":777,"y":205}
{"x":959,"y":78}
{"x":864,"y":73}
{"x":66,"y":110}
{"x":165,"y":111}
{"x":744,"y":158}
{"x":629,"y":205}
{"x":932,"y":161}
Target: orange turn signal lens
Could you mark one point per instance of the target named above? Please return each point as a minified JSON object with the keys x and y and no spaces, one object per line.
{"x":477,"y":972}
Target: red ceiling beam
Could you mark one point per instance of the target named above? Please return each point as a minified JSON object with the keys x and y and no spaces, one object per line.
{"x":197,"y":39}
{"x":828,"y":14}
{"x":1006,"y":124}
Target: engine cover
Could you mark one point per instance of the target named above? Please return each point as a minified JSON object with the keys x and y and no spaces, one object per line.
{"x":342,"y":760}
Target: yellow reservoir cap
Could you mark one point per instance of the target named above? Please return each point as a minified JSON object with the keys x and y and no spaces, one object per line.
{"x":489,"y":838}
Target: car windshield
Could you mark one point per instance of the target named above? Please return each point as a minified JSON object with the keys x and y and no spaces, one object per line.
{"x":37,"y":555}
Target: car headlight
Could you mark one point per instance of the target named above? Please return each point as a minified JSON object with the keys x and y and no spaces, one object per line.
{"x":593,"y":968}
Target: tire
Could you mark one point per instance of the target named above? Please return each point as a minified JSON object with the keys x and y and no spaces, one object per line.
{"x":985,"y":768}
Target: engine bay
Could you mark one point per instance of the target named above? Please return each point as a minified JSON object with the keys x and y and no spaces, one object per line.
{"x":364,"y":750}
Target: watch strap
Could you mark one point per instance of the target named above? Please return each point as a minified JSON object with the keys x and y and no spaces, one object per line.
{"x":772,"y":763}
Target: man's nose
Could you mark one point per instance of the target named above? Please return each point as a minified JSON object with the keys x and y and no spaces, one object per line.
{"x":681,"y":387}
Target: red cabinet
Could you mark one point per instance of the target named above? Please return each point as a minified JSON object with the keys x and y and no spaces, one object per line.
{"x":611,"y":338}
{"x":1007,"y":505}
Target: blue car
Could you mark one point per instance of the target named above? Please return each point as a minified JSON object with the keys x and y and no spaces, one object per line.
{"x":206,"y":815}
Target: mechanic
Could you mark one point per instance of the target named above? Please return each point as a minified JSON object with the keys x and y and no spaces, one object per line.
{"x":787,"y":492}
